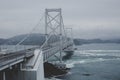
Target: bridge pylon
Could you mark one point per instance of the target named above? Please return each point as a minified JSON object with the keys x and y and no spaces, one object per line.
{"x":54,"y":26}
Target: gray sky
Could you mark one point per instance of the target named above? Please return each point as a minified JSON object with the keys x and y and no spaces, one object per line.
{"x":88,"y":18}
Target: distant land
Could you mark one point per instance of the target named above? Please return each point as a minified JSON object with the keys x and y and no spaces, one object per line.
{"x":90,"y":41}
{"x":38,"y":39}
{"x":33,"y":39}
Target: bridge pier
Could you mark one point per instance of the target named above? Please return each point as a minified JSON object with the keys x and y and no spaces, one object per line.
{"x":33,"y":69}
{"x":4,"y":77}
{"x":15,"y":75}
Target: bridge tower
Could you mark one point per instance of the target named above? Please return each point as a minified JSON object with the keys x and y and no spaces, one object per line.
{"x":54,"y":25}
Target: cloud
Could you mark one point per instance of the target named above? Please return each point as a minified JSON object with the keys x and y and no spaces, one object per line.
{"x":88,"y":18}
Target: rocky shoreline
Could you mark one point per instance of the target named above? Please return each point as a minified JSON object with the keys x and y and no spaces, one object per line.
{"x":51,"y":70}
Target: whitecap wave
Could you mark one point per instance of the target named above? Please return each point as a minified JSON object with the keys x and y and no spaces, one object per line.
{"x":98,"y":53}
{"x":71,"y":63}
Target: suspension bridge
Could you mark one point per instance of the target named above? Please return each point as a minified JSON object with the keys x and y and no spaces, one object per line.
{"x":29,"y":61}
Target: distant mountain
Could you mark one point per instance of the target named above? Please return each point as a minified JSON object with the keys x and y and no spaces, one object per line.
{"x":2,"y":41}
{"x":89,"y":41}
{"x":38,"y":39}
{"x":33,"y":39}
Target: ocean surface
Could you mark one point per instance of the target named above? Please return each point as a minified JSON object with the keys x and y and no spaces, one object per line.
{"x":93,"y":62}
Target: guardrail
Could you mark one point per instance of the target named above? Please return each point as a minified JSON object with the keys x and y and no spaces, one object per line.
{"x":10,"y":59}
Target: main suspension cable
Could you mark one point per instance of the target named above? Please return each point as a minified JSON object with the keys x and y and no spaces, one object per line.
{"x":28,"y":35}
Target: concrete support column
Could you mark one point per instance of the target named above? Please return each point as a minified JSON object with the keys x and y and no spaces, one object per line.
{"x":34,"y":69}
{"x":4,"y":77}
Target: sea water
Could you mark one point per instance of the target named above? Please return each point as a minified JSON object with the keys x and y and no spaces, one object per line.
{"x":94,"y":62}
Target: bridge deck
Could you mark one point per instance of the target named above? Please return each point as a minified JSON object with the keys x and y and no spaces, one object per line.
{"x":8,"y":60}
